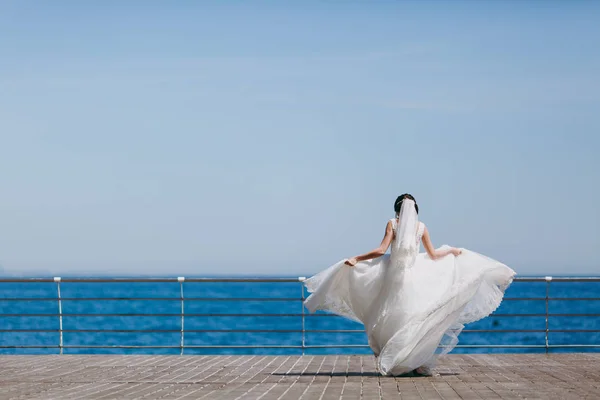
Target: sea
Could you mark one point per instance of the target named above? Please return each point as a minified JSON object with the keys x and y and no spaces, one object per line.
{"x":19,"y":333}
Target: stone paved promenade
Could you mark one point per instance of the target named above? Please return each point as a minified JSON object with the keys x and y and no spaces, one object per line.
{"x":506,"y":376}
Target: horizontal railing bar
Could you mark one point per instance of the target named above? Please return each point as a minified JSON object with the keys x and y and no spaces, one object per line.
{"x":125,"y":346}
{"x":257,"y":299}
{"x":499,"y":346}
{"x":149,"y":347}
{"x":250,"y":346}
{"x":257,"y":315}
{"x":156,"y":315}
{"x":167,"y":315}
{"x":152,"y":299}
{"x":151,"y":280}
{"x":334,"y":330}
{"x":525,"y":346}
{"x":529,"y":330}
{"x":93,"y":347}
{"x":507,"y":346}
{"x":552,"y":298}
{"x":144,"y":330}
{"x":188,"y":330}
{"x":544,"y":315}
{"x":41,"y":346}
{"x":559,"y":279}
{"x":503,"y":330}
{"x":248,"y":299}
{"x":163,"y":315}
{"x":257,"y":280}
{"x":281,"y":330}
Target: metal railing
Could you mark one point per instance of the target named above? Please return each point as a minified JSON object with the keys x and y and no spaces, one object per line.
{"x":60,"y":315}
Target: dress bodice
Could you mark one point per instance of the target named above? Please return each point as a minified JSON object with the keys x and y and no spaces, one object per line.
{"x":418,"y":234}
{"x":405,"y":258}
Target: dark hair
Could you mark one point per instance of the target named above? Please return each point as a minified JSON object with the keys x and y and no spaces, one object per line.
{"x":400,"y":199}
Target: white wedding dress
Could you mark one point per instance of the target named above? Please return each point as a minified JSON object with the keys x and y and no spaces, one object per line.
{"x":412,"y":307}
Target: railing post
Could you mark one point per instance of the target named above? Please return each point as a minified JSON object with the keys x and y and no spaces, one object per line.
{"x":60,"y":321}
{"x":548,"y":280}
{"x":301,"y":280}
{"x":181,"y":279}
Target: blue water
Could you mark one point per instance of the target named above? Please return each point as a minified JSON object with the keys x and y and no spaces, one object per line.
{"x":264,"y":291}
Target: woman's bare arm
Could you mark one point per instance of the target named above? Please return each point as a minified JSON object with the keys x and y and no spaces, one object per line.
{"x":433,"y":253}
{"x":378,"y":252}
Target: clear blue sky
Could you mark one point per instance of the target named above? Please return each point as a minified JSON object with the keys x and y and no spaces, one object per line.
{"x":273,"y":137}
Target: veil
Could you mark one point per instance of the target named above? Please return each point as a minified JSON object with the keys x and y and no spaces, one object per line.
{"x":408,"y":221}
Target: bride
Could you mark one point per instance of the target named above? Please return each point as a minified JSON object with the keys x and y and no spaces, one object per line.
{"x":413,"y":306}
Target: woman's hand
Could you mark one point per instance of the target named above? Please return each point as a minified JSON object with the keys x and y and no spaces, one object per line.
{"x":351,"y":261}
{"x":456,"y":252}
